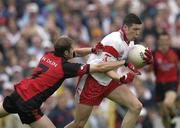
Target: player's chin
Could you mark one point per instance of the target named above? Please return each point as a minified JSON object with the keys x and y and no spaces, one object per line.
{"x":136,"y":39}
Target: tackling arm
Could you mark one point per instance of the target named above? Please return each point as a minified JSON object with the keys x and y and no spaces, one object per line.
{"x":105,"y":66}
{"x":82,"y":52}
{"x":85,"y":51}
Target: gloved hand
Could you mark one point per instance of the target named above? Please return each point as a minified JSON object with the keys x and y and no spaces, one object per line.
{"x":98,"y":48}
{"x":148,"y":58}
{"x":132,"y":67}
{"x":128,"y":78}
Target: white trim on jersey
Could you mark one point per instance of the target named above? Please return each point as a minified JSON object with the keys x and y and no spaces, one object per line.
{"x":80,"y":87}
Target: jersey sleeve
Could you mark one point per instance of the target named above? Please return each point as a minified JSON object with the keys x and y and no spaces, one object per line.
{"x":74,"y":69}
{"x":111,"y":44}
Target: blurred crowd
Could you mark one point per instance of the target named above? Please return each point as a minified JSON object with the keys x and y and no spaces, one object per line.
{"x":28,"y":28}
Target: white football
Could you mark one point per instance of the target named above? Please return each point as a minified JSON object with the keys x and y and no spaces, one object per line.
{"x":136,"y":54}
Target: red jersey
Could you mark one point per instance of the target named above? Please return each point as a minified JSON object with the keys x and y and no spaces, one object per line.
{"x":166,"y":66}
{"x":48,"y":76}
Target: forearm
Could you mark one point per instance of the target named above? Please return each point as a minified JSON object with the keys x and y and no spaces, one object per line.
{"x":80,"y":52}
{"x":113,"y":75}
{"x":125,"y":79}
{"x":106,"y":66}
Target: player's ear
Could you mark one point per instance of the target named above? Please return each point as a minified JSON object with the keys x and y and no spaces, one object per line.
{"x":66,"y":53}
{"x":125,"y":27}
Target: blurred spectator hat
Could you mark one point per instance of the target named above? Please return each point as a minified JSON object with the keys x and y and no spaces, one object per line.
{"x":4,"y":77}
{"x":33,"y":63}
{"x":47,"y":44}
{"x":162,"y":6}
{"x":8,"y":86}
{"x":91,"y":7}
{"x":16,"y":68}
{"x":32,"y":8}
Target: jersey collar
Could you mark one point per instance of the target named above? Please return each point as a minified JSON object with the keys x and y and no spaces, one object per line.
{"x":124,"y":35}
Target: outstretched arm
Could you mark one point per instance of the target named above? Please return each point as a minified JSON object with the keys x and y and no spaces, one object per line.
{"x":80,"y":52}
{"x":106,"y":66}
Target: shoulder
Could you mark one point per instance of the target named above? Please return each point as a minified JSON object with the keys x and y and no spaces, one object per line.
{"x":113,"y":37}
{"x":49,"y":53}
{"x":174,"y":52}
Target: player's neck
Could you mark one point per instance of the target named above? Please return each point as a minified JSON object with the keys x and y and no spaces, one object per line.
{"x":124,"y":35}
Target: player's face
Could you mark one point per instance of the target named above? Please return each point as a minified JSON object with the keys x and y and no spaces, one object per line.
{"x":133,"y":32}
{"x":164,"y":43}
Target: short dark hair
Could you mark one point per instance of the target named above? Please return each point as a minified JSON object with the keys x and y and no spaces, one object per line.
{"x":131,"y":19}
{"x":62,"y":44}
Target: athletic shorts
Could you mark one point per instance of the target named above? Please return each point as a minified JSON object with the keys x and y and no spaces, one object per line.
{"x":26,"y":110}
{"x":90,"y":92}
{"x":162,"y":88}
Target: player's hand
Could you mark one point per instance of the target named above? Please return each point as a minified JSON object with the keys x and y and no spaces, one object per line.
{"x":98,"y":48}
{"x":128,"y":78}
{"x":148,"y":56}
{"x":132,"y":67}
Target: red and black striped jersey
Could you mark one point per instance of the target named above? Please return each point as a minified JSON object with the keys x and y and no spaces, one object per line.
{"x":48,"y":76}
{"x":166,"y":66}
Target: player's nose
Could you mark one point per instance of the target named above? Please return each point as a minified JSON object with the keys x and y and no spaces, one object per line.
{"x":138,"y":32}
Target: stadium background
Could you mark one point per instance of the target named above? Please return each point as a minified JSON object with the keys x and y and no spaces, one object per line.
{"x":28,"y":28}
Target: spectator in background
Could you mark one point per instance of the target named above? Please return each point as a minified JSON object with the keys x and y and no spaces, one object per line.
{"x":13,"y":34}
{"x":150,"y":41}
{"x":174,"y":6}
{"x":161,"y":19}
{"x":165,"y":69}
{"x":106,"y":19}
{"x":36,"y":46}
{"x":3,"y":14}
{"x":10,"y":121}
{"x":62,"y":113}
{"x":149,"y":27}
{"x":176,"y":34}
{"x":31,"y":26}
{"x":51,"y":10}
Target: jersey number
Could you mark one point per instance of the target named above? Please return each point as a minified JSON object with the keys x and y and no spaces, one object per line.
{"x":43,"y":69}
